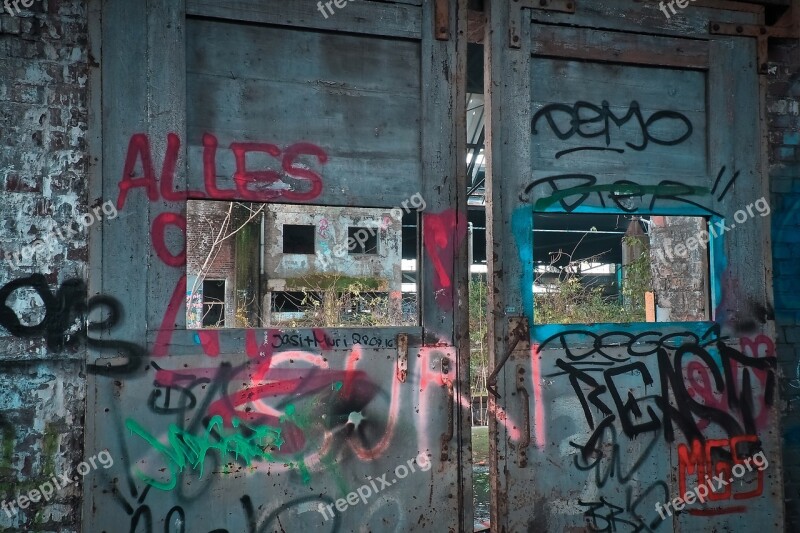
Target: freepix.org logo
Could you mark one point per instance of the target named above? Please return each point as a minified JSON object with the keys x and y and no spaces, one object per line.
{"x":360,"y":237}
{"x":85,"y":220}
{"x":13,"y":5}
{"x":46,"y":490}
{"x":671,"y":249}
{"x":712,"y":485}
{"x":340,"y":4}
{"x":367,"y":490}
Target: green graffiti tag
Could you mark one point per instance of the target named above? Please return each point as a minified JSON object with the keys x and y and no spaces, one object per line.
{"x":186,"y":449}
{"x":674,"y":191}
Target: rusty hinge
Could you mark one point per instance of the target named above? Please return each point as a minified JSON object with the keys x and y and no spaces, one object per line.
{"x":402,"y":357}
{"x":519,"y":332}
{"x":515,"y":19}
{"x":525,"y":440}
{"x":786,"y":27}
{"x":448,"y":385}
{"x":442,"y":20}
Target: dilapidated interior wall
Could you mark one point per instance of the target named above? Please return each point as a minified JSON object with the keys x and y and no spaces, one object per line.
{"x":44,"y":70}
{"x":783,"y":112}
{"x":647,"y":116}
{"x":273,"y":427}
{"x":332,"y":255}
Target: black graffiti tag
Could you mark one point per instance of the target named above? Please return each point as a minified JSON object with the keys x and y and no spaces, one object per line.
{"x":65,"y":323}
{"x":589,"y":121}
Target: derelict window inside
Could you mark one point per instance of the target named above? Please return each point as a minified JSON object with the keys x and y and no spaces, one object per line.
{"x":297,"y":266}
{"x":609,"y":268}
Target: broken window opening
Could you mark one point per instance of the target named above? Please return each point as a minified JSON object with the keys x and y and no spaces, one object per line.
{"x":301,"y":266}
{"x":298,"y":239}
{"x":214,"y":303}
{"x":601,"y":268}
{"x":364,"y":240}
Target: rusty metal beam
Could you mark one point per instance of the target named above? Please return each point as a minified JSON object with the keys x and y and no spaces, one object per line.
{"x":786,"y":27}
{"x":728,"y":5}
{"x":442,"y":20}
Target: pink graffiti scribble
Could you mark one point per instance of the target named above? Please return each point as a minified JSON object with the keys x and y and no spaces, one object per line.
{"x":538,"y":403}
{"x":323,"y":228}
{"x":209,"y":340}
{"x":352,"y":361}
{"x":701,"y":387}
{"x":760,"y":346}
{"x":442,"y":234}
{"x":176,"y":303}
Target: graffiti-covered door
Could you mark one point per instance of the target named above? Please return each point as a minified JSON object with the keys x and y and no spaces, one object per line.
{"x":665,"y":419}
{"x":337,"y":405}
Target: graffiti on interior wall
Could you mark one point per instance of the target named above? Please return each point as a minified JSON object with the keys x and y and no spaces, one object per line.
{"x":716,"y":458}
{"x":571,"y":191}
{"x":710,"y":399}
{"x":711,"y":383}
{"x":185,"y":449}
{"x":282,"y":412}
{"x":589,"y":121}
{"x":176,"y":518}
{"x":323,"y":227}
{"x":295,"y":416}
{"x":64,"y":324}
{"x":139,"y":156}
{"x":303,"y":185}
{"x":636,"y":391}
{"x":603,"y":515}
{"x":442,"y":234}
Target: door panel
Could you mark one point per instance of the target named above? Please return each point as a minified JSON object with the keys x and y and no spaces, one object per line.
{"x":272,"y":429}
{"x":597,"y":423}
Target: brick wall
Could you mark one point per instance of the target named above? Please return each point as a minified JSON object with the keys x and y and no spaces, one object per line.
{"x":206,"y":223}
{"x":678,"y":262}
{"x":783,"y":105}
{"x":204,"y":220}
{"x":43,"y":175}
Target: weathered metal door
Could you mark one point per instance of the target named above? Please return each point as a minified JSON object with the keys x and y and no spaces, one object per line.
{"x":346,"y":104}
{"x":609,"y":107}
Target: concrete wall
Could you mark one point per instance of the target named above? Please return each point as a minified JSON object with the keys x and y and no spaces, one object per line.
{"x":331,"y":254}
{"x":44,"y":67}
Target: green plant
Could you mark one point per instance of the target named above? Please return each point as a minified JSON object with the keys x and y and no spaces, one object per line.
{"x":335,"y":300}
{"x":478,"y":328}
{"x":637,"y":278}
{"x":570,"y":299}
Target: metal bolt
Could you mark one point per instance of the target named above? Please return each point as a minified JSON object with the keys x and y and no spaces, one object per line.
{"x":739,"y":29}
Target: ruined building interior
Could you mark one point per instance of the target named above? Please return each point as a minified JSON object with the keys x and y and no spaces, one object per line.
{"x":399,"y":265}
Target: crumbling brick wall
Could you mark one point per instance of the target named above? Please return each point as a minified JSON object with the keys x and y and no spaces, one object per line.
{"x":43,"y":188}
{"x":783,"y":111}
{"x":679,"y":264}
